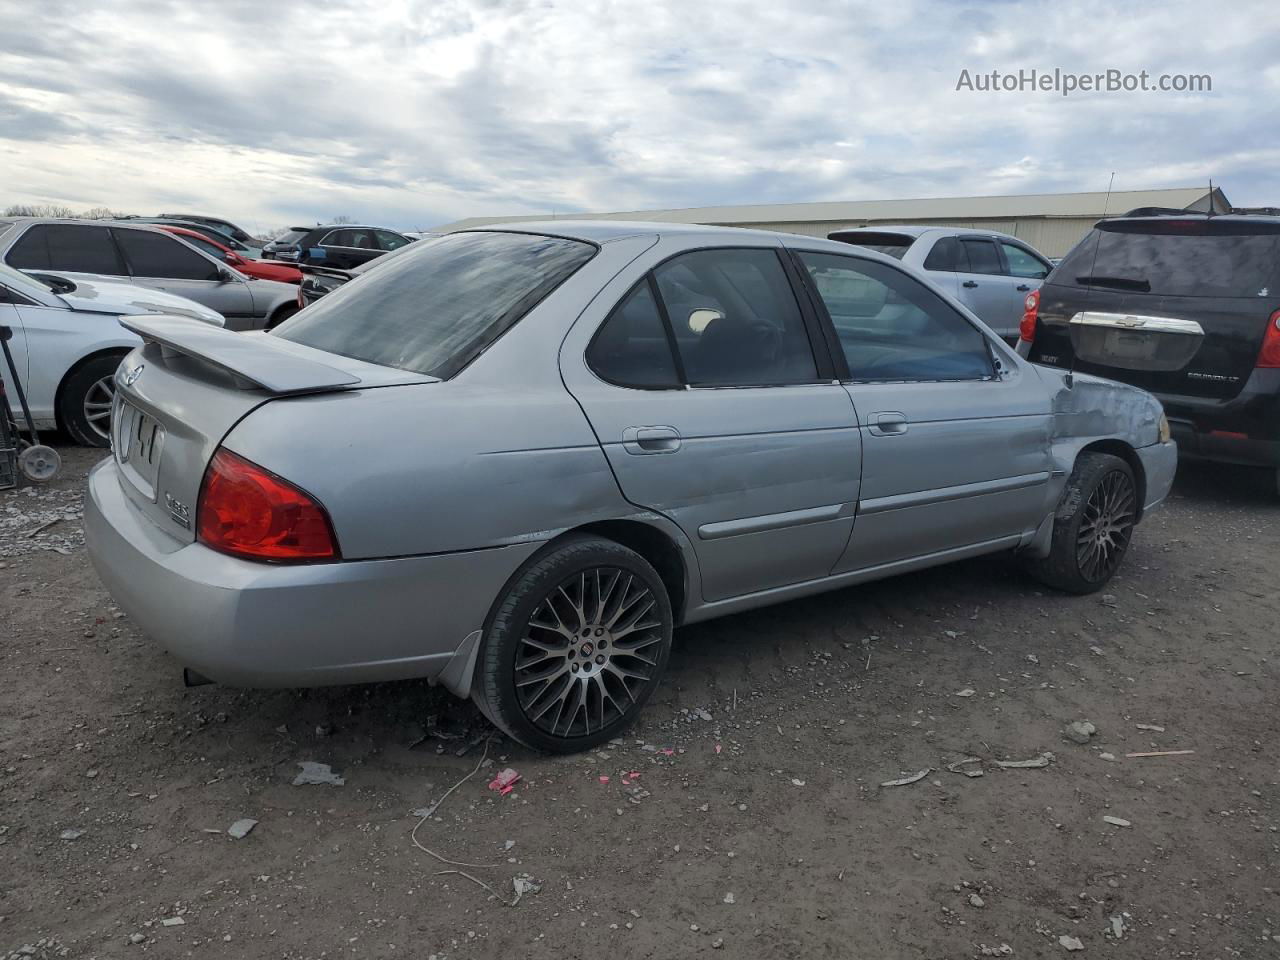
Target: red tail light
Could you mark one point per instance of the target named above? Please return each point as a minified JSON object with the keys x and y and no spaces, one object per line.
{"x":1030,"y":309}
{"x":249,"y":512}
{"x":1269,"y":355}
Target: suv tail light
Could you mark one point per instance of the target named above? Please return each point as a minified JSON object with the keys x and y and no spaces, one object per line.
{"x":249,"y":512}
{"x":1030,"y":309}
{"x":1269,"y":355}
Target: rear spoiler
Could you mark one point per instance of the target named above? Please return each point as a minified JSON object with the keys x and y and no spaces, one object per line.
{"x":256,"y":360}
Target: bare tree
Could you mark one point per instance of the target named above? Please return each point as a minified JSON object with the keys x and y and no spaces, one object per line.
{"x":101,"y":213}
{"x":38,"y":210}
{"x":344,"y":218}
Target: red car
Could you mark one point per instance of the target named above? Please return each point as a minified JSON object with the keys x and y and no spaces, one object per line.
{"x":262,"y":269}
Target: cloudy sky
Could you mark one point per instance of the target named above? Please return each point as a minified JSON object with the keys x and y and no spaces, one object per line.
{"x":418,"y":113}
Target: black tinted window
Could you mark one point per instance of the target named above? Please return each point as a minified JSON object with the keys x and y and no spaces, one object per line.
{"x":735,"y":319}
{"x":982,"y":256}
{"x":631,"y":348}
{"x":891,"y":327}
{"x":390,"y":241}
{"x":1178,"y":258}
{"x":433,"y":308}
{"x":945,"y":255}
{"x":161,"y":255}
{"x":892,"y":244}
{"x":79,"y":249}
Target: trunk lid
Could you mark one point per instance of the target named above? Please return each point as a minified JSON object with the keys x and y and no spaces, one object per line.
{"x":1221,"y":272}
{"x":179,"y":394}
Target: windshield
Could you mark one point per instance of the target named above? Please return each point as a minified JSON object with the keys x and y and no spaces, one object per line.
{"x":16,"y":278}
{"x":1176,"y":258}
{"x":435,"y":307}
{"x":893,"y":244}
{"x":291,"y":236}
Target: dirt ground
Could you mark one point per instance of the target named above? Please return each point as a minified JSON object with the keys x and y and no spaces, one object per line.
{"x":743,"y":816}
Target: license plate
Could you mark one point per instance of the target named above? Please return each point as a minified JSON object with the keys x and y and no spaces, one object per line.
{"x":138,"y":442}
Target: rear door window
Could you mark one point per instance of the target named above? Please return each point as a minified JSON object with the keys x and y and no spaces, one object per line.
{"x":163,"y":256}
{"x":735,"y":319}
{"x":435,"y":307}
{"x":982,"y":256}
{"x":945,"y":256}
{"x":1178,"y":258}
{"x":1022,"y":263}
{"x":390,"y":241}
{"x":891,"y":327}
{"x":72,"y":247}
{"x":631,"y":348}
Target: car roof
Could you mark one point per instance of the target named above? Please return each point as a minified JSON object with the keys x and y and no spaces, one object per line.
{"x":603,"y":231}
{"x":920,"y":229}
{"x":1204,"y":217}
{"x":346,"y":226}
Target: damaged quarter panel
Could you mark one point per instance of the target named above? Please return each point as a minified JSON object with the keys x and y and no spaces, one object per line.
{"x":1091,"y":409}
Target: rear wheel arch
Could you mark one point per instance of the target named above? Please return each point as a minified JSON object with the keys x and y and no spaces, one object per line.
{"x":281,"y":314}
{"x":1118,"y":448}
{"x":661,"y":552}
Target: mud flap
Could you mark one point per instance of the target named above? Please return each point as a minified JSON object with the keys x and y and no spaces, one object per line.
{"x":1039,"y":543}
{"x":457,"y":674}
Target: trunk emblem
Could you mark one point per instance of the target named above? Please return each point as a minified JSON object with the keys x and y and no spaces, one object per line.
{"x":131,"y":377}
{"x":178,"y":511}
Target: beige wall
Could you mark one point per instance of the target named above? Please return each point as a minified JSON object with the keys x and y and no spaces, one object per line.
{"x":1052,"y":236}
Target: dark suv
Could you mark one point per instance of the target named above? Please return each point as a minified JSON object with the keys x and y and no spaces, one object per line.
{"x":1220,"y":272}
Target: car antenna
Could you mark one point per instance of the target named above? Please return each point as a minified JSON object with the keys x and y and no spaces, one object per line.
{"x":1209,"y":214}
{"x":1106,"y":205}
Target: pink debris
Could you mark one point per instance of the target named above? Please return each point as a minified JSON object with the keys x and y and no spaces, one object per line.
{"x":717,"y":748}
{"x":667,"y":751}
{"x":634,"y":774}
{"x":505,"y":781}
{"x":604,"y":779}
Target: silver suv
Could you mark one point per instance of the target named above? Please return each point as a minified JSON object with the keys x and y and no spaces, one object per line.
{"x":148,"y":257}
{"x":990,"y":273}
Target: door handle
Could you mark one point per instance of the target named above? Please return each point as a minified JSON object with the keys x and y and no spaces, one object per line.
{"x":888,"y":424}
{"x":970,"y":284}
{"x":1022,"y":288}
{"x":642,"y":441}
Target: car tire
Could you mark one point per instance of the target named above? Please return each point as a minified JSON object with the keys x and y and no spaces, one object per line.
{"x":1092,"y":527}
{"x":84,"y":401}
{"x":575,"y":646}
{"x":280,"y":316}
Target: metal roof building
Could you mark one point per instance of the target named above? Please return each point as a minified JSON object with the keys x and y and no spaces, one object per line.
{"x":1050,"y":222}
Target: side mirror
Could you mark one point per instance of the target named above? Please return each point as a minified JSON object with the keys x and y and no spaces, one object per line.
{"x":700,"y":319}
{"x":1133,"y":342}
{"x":225,"y":275}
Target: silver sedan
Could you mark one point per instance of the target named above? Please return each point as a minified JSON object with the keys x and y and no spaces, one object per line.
{"x":513,"y":460}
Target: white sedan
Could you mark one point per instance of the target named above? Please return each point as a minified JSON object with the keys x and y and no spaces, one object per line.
{"x":67,"y":342}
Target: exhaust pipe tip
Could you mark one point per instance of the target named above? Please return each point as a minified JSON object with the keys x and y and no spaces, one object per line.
{"x":192,"y":679}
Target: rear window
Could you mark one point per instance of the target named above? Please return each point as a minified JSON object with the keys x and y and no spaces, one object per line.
{"x":291,"y":236}
{"x":1177,"y":258}
{"x":892,"y":244}
{"x":436,"y":306}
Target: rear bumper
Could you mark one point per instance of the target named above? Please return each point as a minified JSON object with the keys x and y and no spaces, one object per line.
{"x":1159,"y":465}
{"x":262,"y":625}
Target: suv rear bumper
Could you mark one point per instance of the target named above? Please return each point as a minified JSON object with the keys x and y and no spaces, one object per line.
{"x":1244,"y":429}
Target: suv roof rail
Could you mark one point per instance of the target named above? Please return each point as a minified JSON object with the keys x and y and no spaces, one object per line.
{"x":1161,"y":212}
